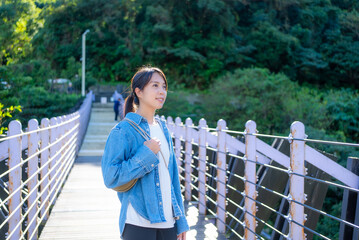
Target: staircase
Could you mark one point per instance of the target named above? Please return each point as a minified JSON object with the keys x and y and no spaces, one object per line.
{"x":107,"y":91}
{"x":101,"y":123}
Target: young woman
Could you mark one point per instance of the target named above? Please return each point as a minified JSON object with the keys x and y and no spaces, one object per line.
{"x":153,"y":208}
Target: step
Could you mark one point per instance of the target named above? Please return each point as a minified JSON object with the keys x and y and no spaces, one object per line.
{"x":94,"y":145}
{"x":102,"y":105}
{"x":90,"y":153}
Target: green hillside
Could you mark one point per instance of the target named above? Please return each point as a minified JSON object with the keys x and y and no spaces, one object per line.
{"x":300,"y":56}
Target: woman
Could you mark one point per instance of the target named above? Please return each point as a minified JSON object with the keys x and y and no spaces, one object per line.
{"x":153,"y":208}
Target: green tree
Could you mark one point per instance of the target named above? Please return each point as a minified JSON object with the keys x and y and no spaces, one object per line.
{"x":18,"y":24}
{"x":5,"y":115}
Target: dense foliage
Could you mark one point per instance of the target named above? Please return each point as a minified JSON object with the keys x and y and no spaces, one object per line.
{"x":24,"y":77}
{"x":273,"y":101}
{"x":311,"y":41}
{"x":194,"y":41}
{"x":316,"y":42}
{"x":200,"y":45}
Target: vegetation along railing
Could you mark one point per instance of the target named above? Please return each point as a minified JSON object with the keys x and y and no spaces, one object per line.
{"x":33,"y":167}
{"x":260,"y":191}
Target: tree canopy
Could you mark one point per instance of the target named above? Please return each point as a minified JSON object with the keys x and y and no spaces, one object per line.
{"x":311,"y":41}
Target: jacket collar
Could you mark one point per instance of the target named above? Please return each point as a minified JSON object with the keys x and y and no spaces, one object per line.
{"x":137,"y":118}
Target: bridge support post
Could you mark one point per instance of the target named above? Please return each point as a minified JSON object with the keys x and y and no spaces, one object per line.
{"x":44,"y":135}
{"x":178,"y":144}
{"x":15,"y":150}
{"x":188,"y":159}
{"x":53,"y":150}
{"x":33,"y":163}
{"x":59,"y":157}
{"x":202,"y":142}
{"x":296,"y":192}
{"x":79,"y":130}
{"x":62,"y":157}
{"x":350,"y":206}
{"x":170,"y":125}
{"x":221,"y":176}
{"x":251,"y":179}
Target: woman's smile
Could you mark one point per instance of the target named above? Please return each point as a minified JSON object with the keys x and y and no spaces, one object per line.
{"x":160,"y":99}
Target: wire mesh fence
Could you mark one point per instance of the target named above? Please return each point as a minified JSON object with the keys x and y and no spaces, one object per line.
{"x":284,"y":190}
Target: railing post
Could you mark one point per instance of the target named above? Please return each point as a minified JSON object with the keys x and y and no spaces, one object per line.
{"x":350,"y":206}
{"x":297,"y":156}
{"x":15,"y":178}
{"x":171,"y":128}
{"x":44,"y":135}
{"x":71,"y":126}
{"x":178,"y":142}
{"x":66,"y":129}
{"x":59,"y":158}
{"x":33,"y":140}
{"x":78,"y":132}
{"x":188,"y":160}
{"x":221,"y":176}
{"x":53,"y":150}
{"x":251,"y":178}
{"x":170,"y":124}
{"x":202,"y":142}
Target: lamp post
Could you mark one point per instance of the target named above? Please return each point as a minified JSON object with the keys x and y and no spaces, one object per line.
{"x":83,"y":61}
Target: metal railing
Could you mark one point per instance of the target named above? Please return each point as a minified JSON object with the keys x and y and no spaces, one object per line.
{"x":261,"y":191}
{"x":34,"y":165}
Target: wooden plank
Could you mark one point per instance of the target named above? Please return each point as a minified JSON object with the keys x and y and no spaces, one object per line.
{"x":85,"y":208}
{"x":201,"y":227}
{"x":331,"y":167}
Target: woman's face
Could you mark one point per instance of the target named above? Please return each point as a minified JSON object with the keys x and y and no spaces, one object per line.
{"x":154,"y":93}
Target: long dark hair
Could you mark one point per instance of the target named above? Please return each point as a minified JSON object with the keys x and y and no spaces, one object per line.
{"x":141,"y":78}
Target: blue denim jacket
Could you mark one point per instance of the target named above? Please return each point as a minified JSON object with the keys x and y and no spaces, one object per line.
{"x":125,"y":158}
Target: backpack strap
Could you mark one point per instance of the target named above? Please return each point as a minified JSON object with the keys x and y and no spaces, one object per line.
{"x":144,"y":134}
{"x":138,"y":129}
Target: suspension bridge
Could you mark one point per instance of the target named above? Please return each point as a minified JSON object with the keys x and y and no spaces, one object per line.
{"x":236,"y":184}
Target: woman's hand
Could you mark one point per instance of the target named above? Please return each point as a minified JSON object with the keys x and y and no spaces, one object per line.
{"x":182,"y":236}
{"x":154,"y":144}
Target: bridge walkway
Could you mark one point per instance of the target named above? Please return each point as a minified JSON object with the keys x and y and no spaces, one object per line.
{"x":85,"y":209}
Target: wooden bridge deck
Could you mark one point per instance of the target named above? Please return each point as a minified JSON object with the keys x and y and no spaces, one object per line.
{"x":85,"y":209}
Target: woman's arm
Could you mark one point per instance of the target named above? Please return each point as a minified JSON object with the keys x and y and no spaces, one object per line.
{"x":117,"y":167}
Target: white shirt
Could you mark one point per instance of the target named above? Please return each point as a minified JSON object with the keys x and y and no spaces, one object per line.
{"x":165,"y":184}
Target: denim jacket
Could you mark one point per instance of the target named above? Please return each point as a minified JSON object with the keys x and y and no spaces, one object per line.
{"x":125,"y":158}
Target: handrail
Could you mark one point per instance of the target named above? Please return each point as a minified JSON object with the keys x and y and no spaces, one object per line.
{"x":57,"y":141}
{"x":39,"y":130}
{"x":198,"y":150}
{"x":289,"y":138}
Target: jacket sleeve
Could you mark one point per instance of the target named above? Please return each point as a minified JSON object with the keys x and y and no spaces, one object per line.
{"x":118,"y":167}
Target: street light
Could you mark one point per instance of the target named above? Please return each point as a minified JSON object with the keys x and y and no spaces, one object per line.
{"x":83,"y":61}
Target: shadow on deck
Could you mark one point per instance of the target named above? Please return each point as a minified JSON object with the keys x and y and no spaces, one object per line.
{"x":85,"y":209}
